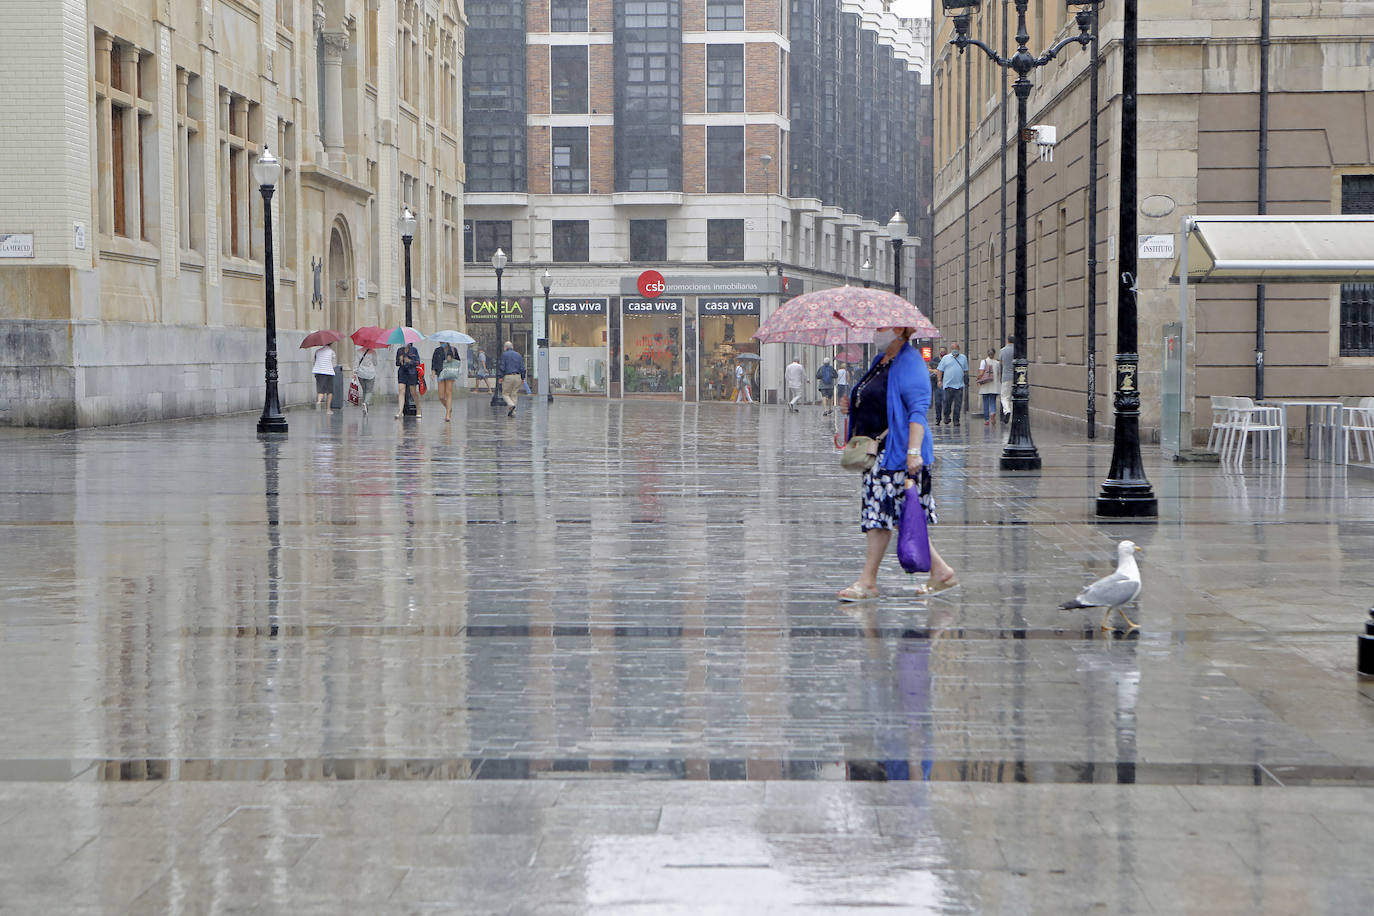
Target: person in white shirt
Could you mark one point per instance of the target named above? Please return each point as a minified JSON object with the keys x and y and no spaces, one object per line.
{"x":742,"y":392}
{"x":842,"y":386}
{"x":795,"y":376}
{"x":326,"y":361}
{"x":366,"y":373}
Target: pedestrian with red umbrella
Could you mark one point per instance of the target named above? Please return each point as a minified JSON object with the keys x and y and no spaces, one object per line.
{"x":325,"y":366}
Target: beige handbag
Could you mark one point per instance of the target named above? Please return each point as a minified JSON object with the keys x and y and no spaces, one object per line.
{"x":860,"y":453}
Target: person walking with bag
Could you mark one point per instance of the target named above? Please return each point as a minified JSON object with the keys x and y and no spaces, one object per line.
{"x":447,"y":367}
{"x":407,"y":376}
{"x":825,"y":378}
{"x":511,"y":369}
{"x":366,"y":374}
{"x":1007,"y":357}
{"x":742,"y":392}
{"x":936,"y":393}
{"x":888,"y":407}
{"x":989,"y":371}
{"x":953,"y":371}
{"x":795,"y":376}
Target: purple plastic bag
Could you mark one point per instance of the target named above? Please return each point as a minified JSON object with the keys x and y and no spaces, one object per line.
{"x":913,"y":540}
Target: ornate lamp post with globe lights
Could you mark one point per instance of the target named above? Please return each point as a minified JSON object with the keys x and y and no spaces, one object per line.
{"x":1019,"y":453}
{"x":407,"y":226}
{"x":266,"y":171}
{"x":498,"y":262}
{"x":548,"y":284}
{"x":896,"y":232}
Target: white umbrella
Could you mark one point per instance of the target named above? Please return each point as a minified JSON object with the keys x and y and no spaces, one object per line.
{"x":453,"y":337}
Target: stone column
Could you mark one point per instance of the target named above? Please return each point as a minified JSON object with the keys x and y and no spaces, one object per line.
{"x":335,"y":44}
{"x":182,"y":167}
{"x":238,"y":122}
{"x":133,"y":186}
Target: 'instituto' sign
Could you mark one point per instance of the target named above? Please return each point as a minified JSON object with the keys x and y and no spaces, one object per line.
{"x":651,"y":306}
{"x":483,"y":308}
{"x":576,"y":306}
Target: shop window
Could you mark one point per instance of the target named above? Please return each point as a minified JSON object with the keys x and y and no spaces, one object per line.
{"x":570,"y":240}
{"x":1357,"y":299}
{"x":649,"y":240}
{"x":481,"y":238}
{"x":653,"y":354}
{"x":568,"y":79}
{"x":570,"y":160}
{"x":725,"y":78}
{"x":724,"y":160}
{"x":725,"y":240}
{"x":568,"y":16}
{"x":725,"y":15}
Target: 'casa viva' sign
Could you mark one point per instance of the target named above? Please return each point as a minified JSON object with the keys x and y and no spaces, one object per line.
{"x":484,"y":307}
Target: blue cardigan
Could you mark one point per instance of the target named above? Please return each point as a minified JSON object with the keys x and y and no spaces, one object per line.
{"x":908,"y":399}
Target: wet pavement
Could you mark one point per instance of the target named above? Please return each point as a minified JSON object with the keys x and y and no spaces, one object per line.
{"x":589,"y":658}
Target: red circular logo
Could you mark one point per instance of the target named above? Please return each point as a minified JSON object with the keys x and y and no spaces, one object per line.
{"x":651,"y":284}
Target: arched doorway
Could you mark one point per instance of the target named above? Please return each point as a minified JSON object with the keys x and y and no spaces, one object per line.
{"x":339,"y":315}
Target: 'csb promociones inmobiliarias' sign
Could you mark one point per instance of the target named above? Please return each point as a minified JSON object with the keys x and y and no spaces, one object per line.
{"x":483,"y":308}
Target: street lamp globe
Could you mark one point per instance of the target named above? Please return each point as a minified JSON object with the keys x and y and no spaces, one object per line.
{"x":896,"y":227}
{"x":267,"y":169}
{"x":866,"y":271}
{"x":406,"y":223}
{"x":498,"y":260}
{"x":548,"y":279}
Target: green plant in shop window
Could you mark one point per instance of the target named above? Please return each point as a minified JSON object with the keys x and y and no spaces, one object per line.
{"x":581,"y":383}
{"x":631,"y":378}
{"x":675,"y":383}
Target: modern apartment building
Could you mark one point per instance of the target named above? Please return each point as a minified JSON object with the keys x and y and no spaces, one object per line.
{"x":132,"y":276}
{"x":1205,"y":112}
{"x":676,"y":169}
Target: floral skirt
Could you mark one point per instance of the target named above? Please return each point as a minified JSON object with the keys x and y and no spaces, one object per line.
{"x":884,"y":492}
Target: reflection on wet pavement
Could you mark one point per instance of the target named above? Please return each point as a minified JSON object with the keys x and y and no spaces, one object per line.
{"x":596,"y":647}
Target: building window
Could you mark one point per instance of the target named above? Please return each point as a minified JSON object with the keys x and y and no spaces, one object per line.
{"x":481,"y":238}
{"x":650,"y":14}
{"x":495,"y":14}
{"x":725,"y":160}
{"x":570,"y":240}
{"x":568,"y":16}
{"x":725,"y":240}
{"x":649,"y":116}
{"x":495,"y":159}
{"x":725,"y":15}
{"x":649,"y":240}
{"x":568,"y":79}
{"x":570,"y":160}
{"x":725,"y":78}
{"x":491,"y":80}
{"x":1357,"y":299}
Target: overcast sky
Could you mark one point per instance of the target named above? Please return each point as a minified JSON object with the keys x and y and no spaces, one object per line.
{"x":912,"y":9}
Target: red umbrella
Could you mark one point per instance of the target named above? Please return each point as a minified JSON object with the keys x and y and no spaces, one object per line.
{"x":842,"y":314}
{"x":366,"y":333}
{"x":319,"y":339}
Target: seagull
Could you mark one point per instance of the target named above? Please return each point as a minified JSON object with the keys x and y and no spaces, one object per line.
{"x":1112,"y":592}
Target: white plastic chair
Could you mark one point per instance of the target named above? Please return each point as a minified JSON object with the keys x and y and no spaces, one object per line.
{"x":1267,"y":422}
{"x":1220,"y":420}
{"x":1359,"y":430}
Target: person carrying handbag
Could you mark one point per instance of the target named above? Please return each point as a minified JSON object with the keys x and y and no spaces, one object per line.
{"x":447,"y":367}
{"x":988,"y":383}
{"x":407,"y":376}
{"x":888,"y":407}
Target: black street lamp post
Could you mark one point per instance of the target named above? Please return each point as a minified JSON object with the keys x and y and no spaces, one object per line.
{"x":498,"y":261}
{"x":407,"y":226}
{"x":1126,"y":493}
{"x":266,"y":171}
{"x":548,"y":282}
{"x":896,"y":232}
{"x":1020,"y":453}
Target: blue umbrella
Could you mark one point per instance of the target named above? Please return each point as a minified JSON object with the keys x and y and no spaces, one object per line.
{"x":453,"y":337}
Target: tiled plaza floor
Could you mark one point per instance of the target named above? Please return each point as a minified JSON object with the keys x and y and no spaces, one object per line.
{"x":589,"y":659}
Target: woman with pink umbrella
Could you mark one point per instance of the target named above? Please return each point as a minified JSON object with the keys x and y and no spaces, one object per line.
{"x":407,"y":367}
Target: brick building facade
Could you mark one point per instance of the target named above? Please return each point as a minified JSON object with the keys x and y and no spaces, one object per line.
{"x":743,"y":149}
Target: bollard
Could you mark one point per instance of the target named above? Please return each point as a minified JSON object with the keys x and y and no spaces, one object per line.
{"x":1365,"y":665}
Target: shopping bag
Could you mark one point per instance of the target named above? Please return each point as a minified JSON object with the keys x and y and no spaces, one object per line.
{"x":913,"y":539}
{"x":354,"y":393}
{"x":526,"y":387}
{"x":422,"y":386}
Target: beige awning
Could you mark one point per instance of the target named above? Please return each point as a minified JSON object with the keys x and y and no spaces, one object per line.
{"x":1278,"y":249}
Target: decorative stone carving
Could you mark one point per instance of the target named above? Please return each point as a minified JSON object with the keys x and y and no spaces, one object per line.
{"x":319,"y":15}
{"x":335,"y":43}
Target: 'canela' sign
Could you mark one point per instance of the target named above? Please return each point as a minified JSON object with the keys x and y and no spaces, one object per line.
{"x":483,"y":308}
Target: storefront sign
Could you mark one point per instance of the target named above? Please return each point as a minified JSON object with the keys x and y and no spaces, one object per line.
{"x":483,"y":308}
{"x":1158,"y":247}
{"x":747,"y":305}
{"x":652,"y":306}
{"x":721,"y":284}
{"x":650,"y":284}
{"x":16,"y":245}
{"x":576,"y":306}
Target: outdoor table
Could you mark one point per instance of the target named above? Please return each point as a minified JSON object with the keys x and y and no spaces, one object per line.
{"x":1324,"y":435}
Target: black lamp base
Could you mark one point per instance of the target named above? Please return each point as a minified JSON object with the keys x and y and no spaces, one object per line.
{"x":1018,"y":458}
{"x":1127,"y":501}
{"x":272,"y":425}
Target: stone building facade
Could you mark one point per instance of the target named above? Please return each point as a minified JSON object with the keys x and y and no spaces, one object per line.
{"x":138,"y":289}
{"x":744,"y":150}
{"x":1197,"y":154}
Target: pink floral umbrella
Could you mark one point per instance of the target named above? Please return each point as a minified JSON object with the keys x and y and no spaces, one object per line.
{"x":843,"y":314}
